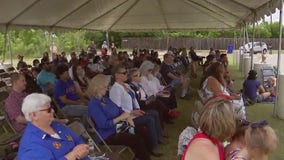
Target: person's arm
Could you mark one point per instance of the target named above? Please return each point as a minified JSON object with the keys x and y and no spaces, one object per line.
{"x":98,"y":115}
{"x":14,"y":111}
{"x":261,"y":89}
{"x":21,"y":119}
{"x":65,"y":100}
{"x":172,"y":76}
{"x":214,"y":86}
{"x":80,"y":93}
{"x":115,"y":94}
{"x":121,"y":117}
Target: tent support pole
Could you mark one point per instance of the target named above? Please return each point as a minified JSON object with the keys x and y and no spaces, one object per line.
{"x":252,"y":51}
{"x":10,"y":48}
{"x":5,"y":44}
{"x":278,"y":58}
{"x":107,"y":39}
{"x":78,"y":40}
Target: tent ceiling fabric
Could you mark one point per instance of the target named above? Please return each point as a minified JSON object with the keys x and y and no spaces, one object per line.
{"x":133,"y":15}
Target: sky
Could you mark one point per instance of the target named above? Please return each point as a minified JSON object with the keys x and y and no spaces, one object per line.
{"x":275,"y":17}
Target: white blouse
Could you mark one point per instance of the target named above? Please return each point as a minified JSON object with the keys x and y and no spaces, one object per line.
{"x":152,"y":86}
{"x":121,"y":98}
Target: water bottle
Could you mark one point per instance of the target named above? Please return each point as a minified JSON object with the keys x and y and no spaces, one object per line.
{"x":131,"y":130}
{"x":91,"y":144}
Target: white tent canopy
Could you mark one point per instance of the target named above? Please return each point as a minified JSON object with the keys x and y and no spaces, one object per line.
{"x":133,"y":15}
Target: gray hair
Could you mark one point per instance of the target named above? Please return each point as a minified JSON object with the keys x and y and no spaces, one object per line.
{"x":33,"y":103}
{"x":145,"y":66}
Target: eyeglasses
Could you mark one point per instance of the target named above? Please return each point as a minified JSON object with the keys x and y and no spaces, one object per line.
{"x":259,"y":124}
{"x":48,"y":110}
{"x":244,"y":122}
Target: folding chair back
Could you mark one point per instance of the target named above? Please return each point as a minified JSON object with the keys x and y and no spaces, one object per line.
{"x":80,"y":130}
{"x":123,"y":152}
{"x":9,"y":138}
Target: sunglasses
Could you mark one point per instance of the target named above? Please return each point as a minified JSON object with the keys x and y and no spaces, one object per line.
{"x":259,"y":124}
{"x":244,"y":122}
{"x":48,"y":110}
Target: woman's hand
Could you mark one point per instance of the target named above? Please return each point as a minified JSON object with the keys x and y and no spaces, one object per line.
{"x":138,"y":112}
{"x":80,"y":151}
{"x":130,"y":121}
{"x":124,"y":116}
{"x":121,"y":117}
{"x":235,"y":96}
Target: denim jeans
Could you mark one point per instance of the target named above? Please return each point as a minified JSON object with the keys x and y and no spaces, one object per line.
{"x":152,"y":122}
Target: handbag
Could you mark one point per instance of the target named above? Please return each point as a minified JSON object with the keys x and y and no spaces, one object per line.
{"x":123,"y":127}
{"x":150,"y":99}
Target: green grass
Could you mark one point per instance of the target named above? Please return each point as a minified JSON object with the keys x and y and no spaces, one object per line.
{"x":254,"y":113}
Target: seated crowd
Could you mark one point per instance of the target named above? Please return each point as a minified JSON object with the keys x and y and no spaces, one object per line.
{"x":139,"y":92}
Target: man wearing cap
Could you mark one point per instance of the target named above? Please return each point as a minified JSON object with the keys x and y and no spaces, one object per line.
{"x":171,"y":76}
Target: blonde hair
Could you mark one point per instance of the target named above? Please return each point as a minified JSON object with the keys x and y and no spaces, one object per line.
{"x":263,"y":138}
{"x":272,"y":80}
{"x":96,"y":85}
{"x":217,"y":119}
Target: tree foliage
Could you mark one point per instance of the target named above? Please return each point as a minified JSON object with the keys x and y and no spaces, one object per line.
{"x":33,"y":42}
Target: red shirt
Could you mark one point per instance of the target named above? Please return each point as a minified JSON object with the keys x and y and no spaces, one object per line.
{"x":214,"y":141}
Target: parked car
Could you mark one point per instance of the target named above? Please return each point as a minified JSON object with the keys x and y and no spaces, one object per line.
{"x":259,"y":47}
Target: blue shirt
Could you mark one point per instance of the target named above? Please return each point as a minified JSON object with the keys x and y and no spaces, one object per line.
{"x":37,"y":144}
{"x":102,"y":113}
{"x":65,"y":88}
{"x":250,"y":88}
{"x":45,"y":77}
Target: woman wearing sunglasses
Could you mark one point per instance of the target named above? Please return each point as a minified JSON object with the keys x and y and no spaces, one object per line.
{"x":45,"y":138}
{"x":123,"y":96}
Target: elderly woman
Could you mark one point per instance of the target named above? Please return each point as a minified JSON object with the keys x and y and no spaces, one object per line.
{"x":217,"y":124}
{"x":107,"y":114}
{"x":145,"y":102}
{"x":213,"y":85}
{"x":45,"y":138}
{"x":123,"y":96}
{"x":153,"y":87}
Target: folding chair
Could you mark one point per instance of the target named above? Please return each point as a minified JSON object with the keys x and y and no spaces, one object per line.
{"x":80,"y":130}
{"x":9,"y":137}
{"x":124,"y":152}
{"x":11,"y":69}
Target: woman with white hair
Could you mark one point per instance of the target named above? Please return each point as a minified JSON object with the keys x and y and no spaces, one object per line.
{"x":153,"y":87}
{"x":45,"y":138}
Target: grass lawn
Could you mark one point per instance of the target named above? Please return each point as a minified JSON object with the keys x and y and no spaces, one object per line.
{"x":254,"y":113}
